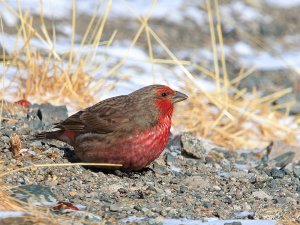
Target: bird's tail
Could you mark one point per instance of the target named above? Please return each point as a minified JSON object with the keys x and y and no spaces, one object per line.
{"x":48,"y":135}
{"x":61,"y":135}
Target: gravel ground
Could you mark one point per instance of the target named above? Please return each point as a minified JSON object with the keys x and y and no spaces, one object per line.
{"x":192,"y":179}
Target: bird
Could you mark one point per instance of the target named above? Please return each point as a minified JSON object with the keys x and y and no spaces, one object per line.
{"x":131,"y":130}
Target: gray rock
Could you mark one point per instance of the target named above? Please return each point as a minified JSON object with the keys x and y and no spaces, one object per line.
{"x":6,"y":150}
{"x":36,"y":144}
{"x":87,"y":217}
{"x":195,"y":147}
{"x":5,"y":139}
{"x":170,"y":158}
{"x":252,"y":179}
{"x":297,"y":170}
{"x":196,"y":182}
{"x":35,"y":194}
{"x":276,"y":173}
{"x":115,"y":208}
{"x":183,"y":189}
{"x":284,"y":159}
{"x":159,"y":168}
{"x":288,"y":168}
{"x":272,"y":184}
{"x":241,"y":215}
{"x":239,"y":174}
{"x":21,"y":180}
{"x":281,"y":200}
{"x":217,"y":188}
{"x":46,"y":114}
{"x":233,"y":223}
{"x":137,"y":208}
{"x":283,"y":154}
{"x":246,"y":206}
{"x":261,"y":195}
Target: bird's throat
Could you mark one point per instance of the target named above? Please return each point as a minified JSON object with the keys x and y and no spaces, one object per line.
{"x":166,"y":109}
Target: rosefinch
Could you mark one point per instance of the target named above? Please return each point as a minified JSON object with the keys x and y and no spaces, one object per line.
{"x":131,"y":130}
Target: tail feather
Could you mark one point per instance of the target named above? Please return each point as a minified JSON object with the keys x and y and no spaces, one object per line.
{"x":61,"y":135}
{"x":48,"y":135}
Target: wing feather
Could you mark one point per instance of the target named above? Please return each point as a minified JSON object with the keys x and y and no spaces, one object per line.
{"x":104,"y":117}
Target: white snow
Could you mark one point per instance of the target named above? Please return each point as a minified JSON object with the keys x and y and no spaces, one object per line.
{"x":9,"y":18}
{"x":242,"y":10}
{"x":242,"y":48}
{"x":266,"y":61}
{"x":120,"y":8}
{"x":283,"y":3}
{"x":6,"y":214}
{"x":245,"y":12}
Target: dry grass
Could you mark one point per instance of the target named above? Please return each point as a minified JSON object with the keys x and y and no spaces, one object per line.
{"x":240,"y":122}
{"x":8,"y":203}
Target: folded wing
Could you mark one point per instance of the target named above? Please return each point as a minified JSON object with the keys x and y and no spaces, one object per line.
{"x":105,"y":117}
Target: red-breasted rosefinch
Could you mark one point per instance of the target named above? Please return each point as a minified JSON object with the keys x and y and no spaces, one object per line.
{"x":131,"y":130}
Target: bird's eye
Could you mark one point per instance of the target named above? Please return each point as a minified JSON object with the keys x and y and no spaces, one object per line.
{"x":164,"y":94}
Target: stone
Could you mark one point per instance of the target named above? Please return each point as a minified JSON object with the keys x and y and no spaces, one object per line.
{"x":44,"y":115}
{"x":183,"y":189}
{"x":283,"y":154}
{"x":217,"y":188}
{"x":288,"y":168}
{"x":261,"y":178}
{"x":5,"y":139}
{"x":196,"y":182}
{"x":170,"y":158}
{"x":89,"y":218}
{"x":195,"y":147}
{"x":236,"y":207}
{"x":159,"y":168}
{"x":239,"y":174}
{"x":276,"y":173}
{"x":115,"y":208}
{"x":21,"y":180}
{"x":272,"y":183}
{"x":297,"y":170}
{"x":233,"y":223}
{"x":261,"y":195}
{"x":284,"y":159}
{"x":34,"y":194}
{"x":241,"y":215}
{"x":246,"y":206}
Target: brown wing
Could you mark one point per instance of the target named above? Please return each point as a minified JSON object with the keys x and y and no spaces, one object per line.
{"x":104,"y":117}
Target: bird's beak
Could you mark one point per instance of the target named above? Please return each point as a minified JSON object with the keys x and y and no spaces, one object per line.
{"x":178,"y":97}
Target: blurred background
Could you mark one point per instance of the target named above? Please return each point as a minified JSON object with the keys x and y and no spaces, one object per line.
{"x":238,"y":60}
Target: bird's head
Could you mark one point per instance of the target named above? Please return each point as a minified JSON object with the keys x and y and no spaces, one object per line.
{"x":162,"y":96}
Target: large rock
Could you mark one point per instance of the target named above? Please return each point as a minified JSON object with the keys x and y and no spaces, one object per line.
{"x":44,"y":115}
{"x":35,"y":194}
{"x":282,"y":154}
{"x":195,"y":147}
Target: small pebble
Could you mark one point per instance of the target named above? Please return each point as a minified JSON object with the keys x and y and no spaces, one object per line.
{"x":276,"y":173}
{"x":297,"y":170}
